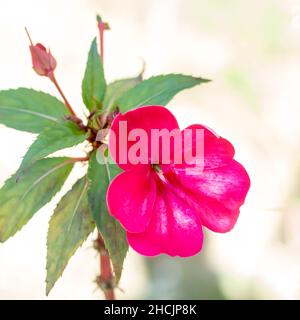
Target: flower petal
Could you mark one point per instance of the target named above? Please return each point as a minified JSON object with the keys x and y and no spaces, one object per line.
{"x":175,"y":228}
{"x":216,"y":194}
{"x":214,"y":150}
{"x":144,"y":118}
{"x":131,"y":196}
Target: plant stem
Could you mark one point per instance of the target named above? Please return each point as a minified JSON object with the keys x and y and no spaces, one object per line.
{"x":102,"y":45}
{"x":106,"y":278}
{"x":102,"y":26}
{"x":53,"y":79}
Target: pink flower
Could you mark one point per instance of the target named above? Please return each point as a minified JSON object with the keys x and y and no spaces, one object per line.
{"x":164,"y":207}
{"x":43,"y":63}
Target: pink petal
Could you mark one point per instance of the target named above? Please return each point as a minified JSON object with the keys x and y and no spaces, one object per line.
{"x":131,"y":196}
{"x":216,"y":151}
{"x":216,"y":194}
{"x":43,"y":62}
{"x":146,"y":118}
{"x":175,"y":228}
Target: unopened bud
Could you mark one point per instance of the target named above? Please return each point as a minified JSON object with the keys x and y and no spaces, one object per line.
{"x":102,"y":25}
{"x":43,"y":62}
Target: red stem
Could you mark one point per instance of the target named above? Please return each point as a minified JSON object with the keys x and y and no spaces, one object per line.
{"x":53,"y":79}
{"x":106,"y":278}
{"x":102,"y":43}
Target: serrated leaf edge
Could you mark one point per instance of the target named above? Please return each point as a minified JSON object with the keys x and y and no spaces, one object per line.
{"x":84,"y":189}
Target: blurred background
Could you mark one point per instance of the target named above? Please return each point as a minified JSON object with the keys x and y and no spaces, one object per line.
{"x":251,"y":51}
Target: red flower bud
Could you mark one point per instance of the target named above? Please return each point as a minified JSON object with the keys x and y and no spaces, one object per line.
{"x":102,"y":26}
{"x":43,"y":62}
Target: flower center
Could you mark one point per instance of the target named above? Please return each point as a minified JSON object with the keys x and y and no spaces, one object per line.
{"x":157,"y":168}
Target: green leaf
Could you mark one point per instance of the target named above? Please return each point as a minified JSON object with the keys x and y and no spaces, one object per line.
{"x":113,"y":234}
{"x":19,"y":201}
{"x":157,"y":90}
{"x":93,"y":84}
{"x":59,"y":136}
{"x":117,"y":88}
{"x":69,"y":227}
{"x":30,"y":110}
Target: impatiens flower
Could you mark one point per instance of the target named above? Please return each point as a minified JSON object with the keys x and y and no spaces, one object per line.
{"x":164,"y":206}
{"x":43,"y":63}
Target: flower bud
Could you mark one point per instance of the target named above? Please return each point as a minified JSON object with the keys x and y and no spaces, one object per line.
{"x":43,"y":62}
{"x":102,"y":25}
